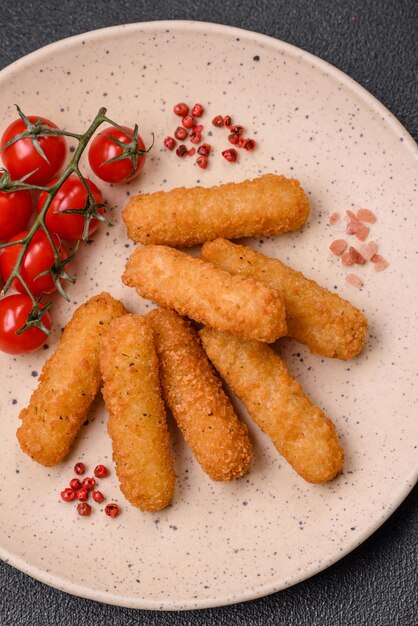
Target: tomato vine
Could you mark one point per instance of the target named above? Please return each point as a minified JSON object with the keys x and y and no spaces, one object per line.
{"x":91,"y":210}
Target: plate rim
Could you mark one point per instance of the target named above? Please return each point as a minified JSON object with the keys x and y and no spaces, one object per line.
{"x":268,"y":588}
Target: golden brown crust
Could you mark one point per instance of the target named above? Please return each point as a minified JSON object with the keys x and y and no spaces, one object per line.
{"x":206,"y":293}
{"x":218,"y":439}
{"x":299,"y":430}
{"x":137,"y":422}
{"x":325,"y":322}
{"x":68,"y":384}
{"x":268,"y":205}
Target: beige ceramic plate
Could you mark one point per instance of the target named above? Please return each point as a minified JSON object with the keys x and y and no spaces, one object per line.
{"x":223,"y":543}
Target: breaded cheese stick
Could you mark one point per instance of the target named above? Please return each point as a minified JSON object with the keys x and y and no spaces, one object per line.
{"x":276,"y":402}
{"x":68,"y":384}
{"x":322,"y":320}
{"x":268,"y":205}
{"x":206,"y":293}
{"x":137,"y":422}
{"x":205,"y":416}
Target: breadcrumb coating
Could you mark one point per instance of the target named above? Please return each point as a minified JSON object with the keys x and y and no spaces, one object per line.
{"x":276,"y":402}
{"x":137,"y":421}
{"x":68,"y":384}
{"x":217,"y":438}
{"x":268,"y":205}
{"x":206,"y":293}
{"x":323,"y":321}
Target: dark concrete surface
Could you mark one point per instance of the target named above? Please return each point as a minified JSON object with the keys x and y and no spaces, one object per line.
{"x":376,"y":43}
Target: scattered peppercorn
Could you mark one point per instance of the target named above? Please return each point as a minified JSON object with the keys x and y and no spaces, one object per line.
{"x":181,"y":150}
{"x":247,"y":144}
{"x":197,"y":110}
{"x":82,"y":495}
{"x":83,"y":509}
{"x":79,"y":468}
{"x":237,"y":129}
{"x":181,"y":109}
{"x":180,"y":133}
{"x":230,"y":155}
{"x":97,"y":496}
{"x":188,"y":121}
{"x":75,"y":484}
{"x":218,"y":121}
{"x":112,"y":509}
{"x":100,"y":471}
{"x":195,"y":137}
{"x":169,"y":143}
{"x":204,"y":149}
{"x":88,"y":483}
{"x":202,"y":161}
{"x":233,"y":138}
{"x":68,"y":495}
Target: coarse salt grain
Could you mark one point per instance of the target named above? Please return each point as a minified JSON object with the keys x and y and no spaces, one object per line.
{"x":351,"y":215}
{"x":341,"y":225}
{"x":365,"y":215}
{"x":356,"y":256}
{"x":368,"y":250}
{"x":359,"y":230}
{"x":334,"y":218}
{"x":354,"y":280}
{"x":347,"y":258}
{"x":380,"y":264}
{"x":338,"y":246}
{"x":363,"y":233}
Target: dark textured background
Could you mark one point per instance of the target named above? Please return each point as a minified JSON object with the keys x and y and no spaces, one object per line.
{"x":376,"y":43}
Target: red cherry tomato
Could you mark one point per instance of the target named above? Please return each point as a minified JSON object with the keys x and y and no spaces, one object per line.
{"x":71,"y":195}
{"x":14,"y":311}
{"x":102,"y":148}
{"x":38,"y":257}
{"x":15,"y":211}
{"x":21,"y":157}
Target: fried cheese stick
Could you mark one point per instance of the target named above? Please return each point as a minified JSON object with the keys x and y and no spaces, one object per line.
{"x":326,"y":323}
{"x":68,"y":384}
{"x":217,"y":438}
{"x":268,"y":205}
{"x":276,"y":402}
{"x":137,"y":422}
{"x":206,"y":293}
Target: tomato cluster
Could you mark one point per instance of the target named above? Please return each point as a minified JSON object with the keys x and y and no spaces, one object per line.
{"x":40,"y":163}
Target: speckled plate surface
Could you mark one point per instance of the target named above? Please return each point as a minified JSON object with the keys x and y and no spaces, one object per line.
{"x":223,"y":543}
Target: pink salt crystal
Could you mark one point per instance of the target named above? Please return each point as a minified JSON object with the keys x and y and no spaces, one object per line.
{"x":365,"y":215}
{"x":381,"y":264}
{"x":334,"y":218}
{"x":341,"y":225}
{"x":358,"y":229}
{"x":362,"y":233}
{"x":368,"y":250}
{"x":356,"y":256}
{"x":354,"y":280}
{"x":347,"y":258}
{"x":351,"y":215}
{"x":353,"y":227}
{"x":338,"y":246}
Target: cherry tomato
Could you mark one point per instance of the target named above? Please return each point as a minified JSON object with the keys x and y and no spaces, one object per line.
{"x":21,"y":157}
{"x":15,"y":211}
{"x":71,"y":195}
{"x":102,"y":148}
{"x":38,"y":257}
{"x":14,"y":311}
